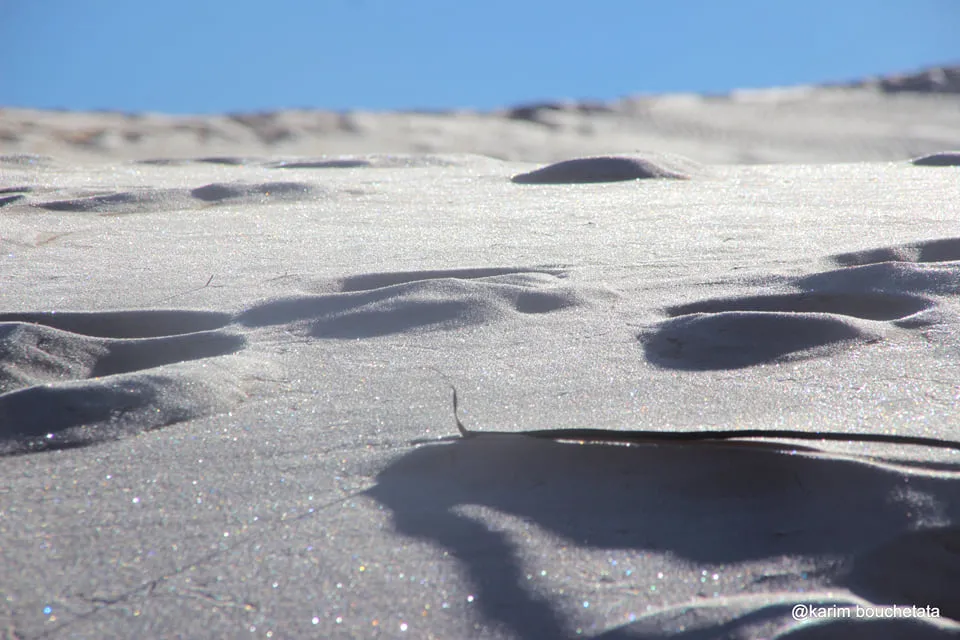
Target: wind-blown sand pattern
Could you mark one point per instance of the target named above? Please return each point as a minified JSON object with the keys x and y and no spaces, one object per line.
{"x":225,"y":380}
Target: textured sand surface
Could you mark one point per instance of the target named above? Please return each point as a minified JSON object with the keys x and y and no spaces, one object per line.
{"x":225,"y":404}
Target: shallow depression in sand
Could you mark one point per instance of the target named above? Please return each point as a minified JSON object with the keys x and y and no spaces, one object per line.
{"x":911,"y":278}
{"x":869,"y":306}
{"x":145,"y":200}
{"x":943,"y":250}
{"x":137,"y":201}
{"x":417,"y":302}
{"x":61,"y":388}
{"x":738,"y":339}
{"x":237,"y":192}
{"x":366,"y":281}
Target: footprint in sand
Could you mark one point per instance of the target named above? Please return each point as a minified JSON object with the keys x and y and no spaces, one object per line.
{"x":233,"y":161}
{"x":945,"y":250}
{"x":386,"y":161}
{"x":72,"y":379}
{"x":145,"y":200}
{"x":381,"y":304}
{"x":931,"y":267}
{"x":838,"y":309}
{"x":69,"y":379}
{"x":369,"y":160}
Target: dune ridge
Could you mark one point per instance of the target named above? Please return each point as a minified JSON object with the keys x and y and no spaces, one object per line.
{"x":872,"y":118}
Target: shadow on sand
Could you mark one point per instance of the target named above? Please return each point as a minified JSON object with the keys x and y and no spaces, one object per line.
{"x":708,"y":503}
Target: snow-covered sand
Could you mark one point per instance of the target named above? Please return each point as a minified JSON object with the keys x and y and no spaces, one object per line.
{"x":225,"y":400}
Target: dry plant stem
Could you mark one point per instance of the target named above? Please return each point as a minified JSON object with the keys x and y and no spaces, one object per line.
{"x":615,"y":436}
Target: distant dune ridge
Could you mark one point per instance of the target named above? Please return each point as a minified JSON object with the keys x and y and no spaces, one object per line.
{"x":885,"y":118}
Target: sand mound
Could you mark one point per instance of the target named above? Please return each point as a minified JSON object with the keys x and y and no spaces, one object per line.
{"x":598,"y":169}
{"x":943,"y":159}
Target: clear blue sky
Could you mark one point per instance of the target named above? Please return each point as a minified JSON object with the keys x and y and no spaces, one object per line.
{"x":203,"y":56}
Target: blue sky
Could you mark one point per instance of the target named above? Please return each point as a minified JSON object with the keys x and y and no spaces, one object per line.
{"x":204,"y":56}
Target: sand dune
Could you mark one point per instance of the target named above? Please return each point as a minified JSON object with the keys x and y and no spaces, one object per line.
{"x":227,"y":345}
{"x":873,"y":120}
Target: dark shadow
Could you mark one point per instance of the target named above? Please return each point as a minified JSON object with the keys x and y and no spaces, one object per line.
{"x":943,"y":250}
{"x":849,"y":629}
{"x":87,"y":412}
{"x":219,"y":192}
{"x":706,"y":503}
{"x":835,"y":309}
{"x":869,"y":306}
{"x":164,"y":162}
{"x":40,"y":410}
{"x":124,"y":356}
{"x":142,"y":201}
{"x":898,"y":275}
{"x":232,"y":161}
{"x":942,"y":159}
{"x":7,"y":190}
{"x":540,"y":302}
{"x":397,"y":318}
{"x":920,"y":568}
{"x":366,"y":281}
{"x":320,"y":164}
{"x":125,"y":324}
